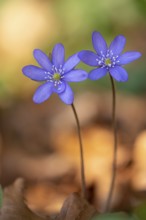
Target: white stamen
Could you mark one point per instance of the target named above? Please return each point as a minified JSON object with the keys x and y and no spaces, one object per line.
{"x":111,"y":52}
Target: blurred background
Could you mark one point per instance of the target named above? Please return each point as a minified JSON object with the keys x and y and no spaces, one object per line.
{"x":39,"y":142}
{"x":25,"y":25}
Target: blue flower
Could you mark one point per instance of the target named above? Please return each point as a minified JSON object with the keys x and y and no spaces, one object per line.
{"x":108,"y":59}
{"x":56,"y":73}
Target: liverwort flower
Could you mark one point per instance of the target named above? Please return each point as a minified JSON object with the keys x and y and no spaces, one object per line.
{"x":108,"y":59}
{"x":55,"y":73}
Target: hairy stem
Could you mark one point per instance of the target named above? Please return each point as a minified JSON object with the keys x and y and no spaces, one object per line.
{"x":114,"y":165}
{"x":81,"y":152}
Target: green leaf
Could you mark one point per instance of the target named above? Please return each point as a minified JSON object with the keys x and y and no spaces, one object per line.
{"x":115,"y":216}
{"x":140,"y":211}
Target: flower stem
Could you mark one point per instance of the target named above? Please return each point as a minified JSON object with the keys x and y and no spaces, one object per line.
{"x":81,"y":152}
{"x":114,"y":165}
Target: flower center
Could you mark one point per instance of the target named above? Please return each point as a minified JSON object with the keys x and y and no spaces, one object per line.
{"x":56,"y":77}
{"x":108,"y":62}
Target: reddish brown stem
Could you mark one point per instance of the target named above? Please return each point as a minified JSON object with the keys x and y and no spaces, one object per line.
{"x":114,"y":165}
{"x":81,"y":152}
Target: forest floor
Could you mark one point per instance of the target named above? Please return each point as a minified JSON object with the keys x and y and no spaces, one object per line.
{"x":40,"y":153}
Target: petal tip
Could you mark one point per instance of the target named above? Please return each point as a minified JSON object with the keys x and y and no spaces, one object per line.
{"x":35,"y":51}
{"x":59,"y":45}
{"x":96,"y":32}
{"x":121,"y":36}
{"x":24,"y":70}
{"x":80,"y":54}
{"x":139,"y":55}
{"x":36,"y":101}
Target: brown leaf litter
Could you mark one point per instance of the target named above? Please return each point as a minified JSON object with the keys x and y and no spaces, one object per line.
{"x":14,"y":207}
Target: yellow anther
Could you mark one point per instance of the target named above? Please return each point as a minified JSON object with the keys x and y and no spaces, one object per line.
{"x":108,"y":62}
{"x":56,"y":76}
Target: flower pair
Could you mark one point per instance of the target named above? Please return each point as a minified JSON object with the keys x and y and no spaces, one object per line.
{"x":56,"y":72}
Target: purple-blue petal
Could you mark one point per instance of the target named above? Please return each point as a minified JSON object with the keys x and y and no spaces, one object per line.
{"x":67,"y":96}
{"x":99,"y":43}
{"x":71,"y":62}
{"x":128,"y":57}
{"x":119,"y":73}
{"x":58,"y":55}
{"x":43,"y":92}
{"x":60,"y":87}
{"x":88,"y":57}
{"x":97,"y":73}
{"x":117,"y":45}
{"x":76,"y":76}
{"x":34,"y":73}
{"x":43,"y":60}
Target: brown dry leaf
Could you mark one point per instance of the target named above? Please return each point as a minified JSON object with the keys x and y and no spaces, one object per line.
{"x":76,"y":207}
{"x":47,"y":197}
{"x":14,"y":206}
{"x":139,"y":168}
